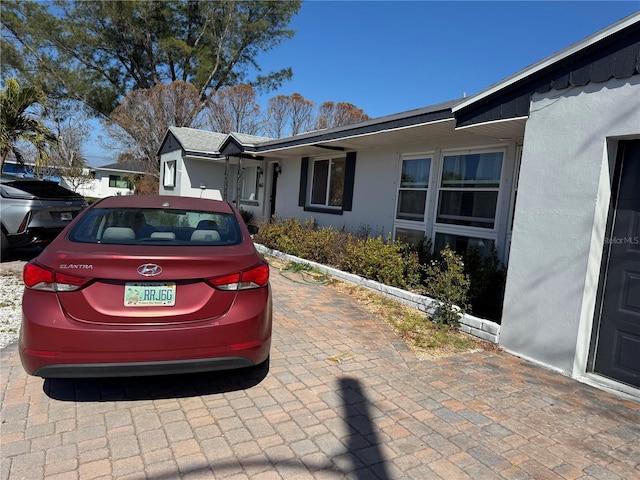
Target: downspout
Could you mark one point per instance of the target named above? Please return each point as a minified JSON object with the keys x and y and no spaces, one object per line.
{"x":238,"y":181}
{"x":226,"y":178}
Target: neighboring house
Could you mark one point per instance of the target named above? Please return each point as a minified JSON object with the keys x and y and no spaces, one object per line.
{"x":562,"y":136}
{"x":192,"y":165}
{"x":109,"y":180}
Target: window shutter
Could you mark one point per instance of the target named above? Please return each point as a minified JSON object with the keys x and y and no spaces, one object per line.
{"x":349,"y":179}
{"x":304,"y":173}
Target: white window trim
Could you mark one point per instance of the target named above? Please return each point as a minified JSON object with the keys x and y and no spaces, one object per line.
{"x":169,"y":173}
{"x":256,"y":193}
{"x":469,"y":232}
{"x":414,"y":224}
{"x":479,"y":232}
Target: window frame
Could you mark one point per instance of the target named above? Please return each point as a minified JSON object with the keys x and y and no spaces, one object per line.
{"x":115,"y":179}
{"x":468,"y":235}
{"x":254,"y":184}
{"x":442,"y":226}
{"x":327,"y":183}
{"x":349,"y":187}
{"x":425,"y":213}
{"x":169,"y":173}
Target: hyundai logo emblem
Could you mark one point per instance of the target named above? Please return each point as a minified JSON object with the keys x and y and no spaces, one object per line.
{"x":149,"y":270}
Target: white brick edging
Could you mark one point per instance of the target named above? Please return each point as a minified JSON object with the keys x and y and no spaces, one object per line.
{"x":477,"y":327}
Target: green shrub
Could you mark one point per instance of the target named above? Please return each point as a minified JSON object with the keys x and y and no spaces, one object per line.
{"x":319,"y":244}
{"x":449,"y":286}
{"x":383,"y":261}
{"x":280,"y":235}
{"x":477,"y":284}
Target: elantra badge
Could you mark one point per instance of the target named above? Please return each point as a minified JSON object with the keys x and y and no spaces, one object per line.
{"x":149,"y":270}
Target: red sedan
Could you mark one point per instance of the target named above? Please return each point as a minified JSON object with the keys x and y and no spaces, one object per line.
{"x":144,"y":285}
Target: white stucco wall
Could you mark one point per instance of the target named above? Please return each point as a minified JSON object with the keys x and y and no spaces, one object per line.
{"x":176,"y":156}
{"x":376,"y":185}
{"x":373,"y":199}
{"x":561,"y":213}
{"x":194,"y":177}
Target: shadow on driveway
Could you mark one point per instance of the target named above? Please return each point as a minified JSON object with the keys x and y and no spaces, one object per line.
{"x":358,"y":456}
{"x":363,"y":437}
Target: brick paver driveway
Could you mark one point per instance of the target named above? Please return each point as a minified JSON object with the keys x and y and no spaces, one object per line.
{"x":383,"y":414}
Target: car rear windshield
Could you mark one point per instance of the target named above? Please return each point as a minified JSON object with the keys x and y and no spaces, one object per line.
{"x":43,"y":189}
{"x":140,"y":226}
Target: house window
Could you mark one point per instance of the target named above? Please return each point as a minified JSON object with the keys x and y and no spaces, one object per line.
{"x":116,"y":181}
{"x":469,"y":189}
{"x":336,"y":192}
{"x":169,"y":174}
{"x":410,"y":236}
{"x":460,"y":244}
{"x":412,"y":194}
{"x":249,"y":187}
{"x":327,"y":186}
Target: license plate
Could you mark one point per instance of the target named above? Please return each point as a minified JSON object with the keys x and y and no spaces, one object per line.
{"x":149,"y":294}
{"x":66,"y":216}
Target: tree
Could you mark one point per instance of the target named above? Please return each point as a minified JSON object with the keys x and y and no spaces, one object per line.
{"x":70,"y":127}
{"x":18,"y":124}
{"x":289,"y":114}
{"x":99,"y":51}
{"x":139,"y":124}
{"x":301,"y":114}
{"x":234,"y":109}
{"x":277,"y":117}
{"x":331,"y":114}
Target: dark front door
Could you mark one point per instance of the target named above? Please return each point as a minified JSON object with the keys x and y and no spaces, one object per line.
{"x":274,"y":187}
{"x":617,"y":342}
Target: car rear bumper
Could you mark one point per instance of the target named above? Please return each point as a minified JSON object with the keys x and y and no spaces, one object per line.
{"x":52,"y":345}
{"x":136,"y":369}
{"x":33,"y":237}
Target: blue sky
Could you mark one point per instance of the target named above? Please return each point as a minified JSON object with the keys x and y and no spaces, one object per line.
{"x":388,"y":57}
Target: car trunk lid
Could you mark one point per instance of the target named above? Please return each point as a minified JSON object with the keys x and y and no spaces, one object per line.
{"x":129,"y":288}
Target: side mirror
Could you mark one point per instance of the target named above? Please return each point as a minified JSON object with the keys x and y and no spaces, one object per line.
{"x":253,"y":229}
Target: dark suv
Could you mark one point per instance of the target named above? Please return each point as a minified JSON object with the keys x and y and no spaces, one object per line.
{"x":34,"y":212}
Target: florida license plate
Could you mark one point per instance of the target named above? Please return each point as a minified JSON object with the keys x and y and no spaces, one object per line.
{"x":149,"y":294}
{"x":66,"y":216}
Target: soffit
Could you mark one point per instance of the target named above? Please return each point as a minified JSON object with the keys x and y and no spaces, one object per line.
{"x":434,"y":134}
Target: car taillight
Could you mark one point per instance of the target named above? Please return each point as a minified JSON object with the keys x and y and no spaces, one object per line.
{"x":37,"y":277}
{"x":25,"y":222}
{"x":255,"y":277}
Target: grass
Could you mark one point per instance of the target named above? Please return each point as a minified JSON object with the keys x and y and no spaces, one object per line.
{"x":424,"y":337}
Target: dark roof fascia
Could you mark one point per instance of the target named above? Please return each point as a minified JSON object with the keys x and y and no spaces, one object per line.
{"x":611,"y":53}
{"x":435,"y":113}
{"x":195,"y":153}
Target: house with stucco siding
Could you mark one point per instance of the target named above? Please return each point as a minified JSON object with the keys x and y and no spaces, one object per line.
{"x":543,"y":166}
